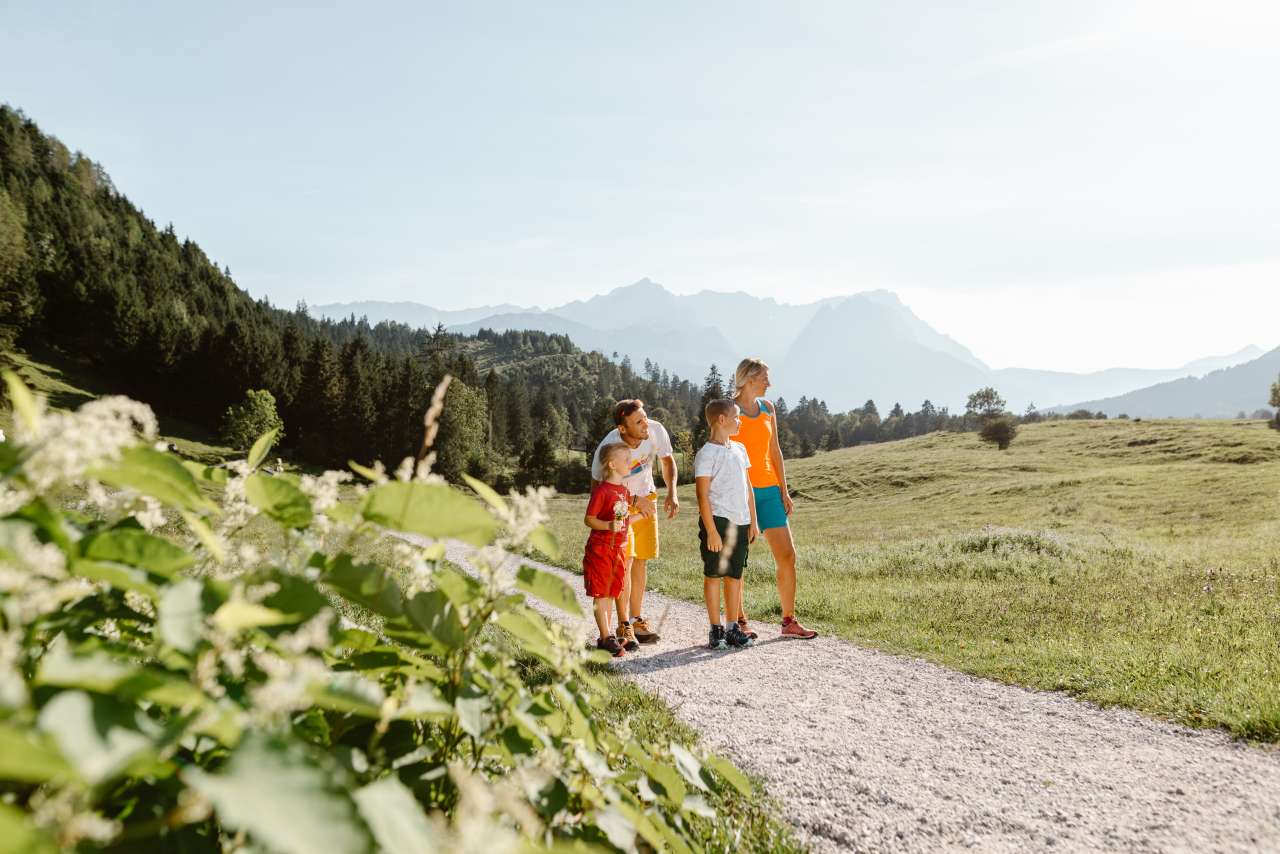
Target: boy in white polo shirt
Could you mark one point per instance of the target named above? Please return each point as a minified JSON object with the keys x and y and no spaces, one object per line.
{"x":726,"y":519}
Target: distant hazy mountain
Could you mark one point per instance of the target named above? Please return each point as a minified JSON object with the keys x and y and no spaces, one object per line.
{"x":411,"y":313}
{"x":844,"y":350}
{"x":1220,"y":394}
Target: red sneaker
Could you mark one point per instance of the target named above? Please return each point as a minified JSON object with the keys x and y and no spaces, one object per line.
{"x":746,"y":629}
{"x":791,"y":628}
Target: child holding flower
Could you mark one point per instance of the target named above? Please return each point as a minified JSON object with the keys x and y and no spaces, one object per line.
{"x":604,"y":563}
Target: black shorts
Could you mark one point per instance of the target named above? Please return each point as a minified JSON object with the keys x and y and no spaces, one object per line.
{"x":714,"y":564}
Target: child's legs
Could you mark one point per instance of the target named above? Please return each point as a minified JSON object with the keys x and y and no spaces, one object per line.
{"x":623,"y":601}
{"x":601,"y":604}
{"x":732,"y":599}
{"x":711,"y":593}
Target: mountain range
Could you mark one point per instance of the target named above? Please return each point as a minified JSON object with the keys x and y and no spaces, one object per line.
{"x":844,"y":350}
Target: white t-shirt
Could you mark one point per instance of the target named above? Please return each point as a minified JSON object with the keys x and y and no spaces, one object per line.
{"x":639,"y":481}
{"x":727,"y":466}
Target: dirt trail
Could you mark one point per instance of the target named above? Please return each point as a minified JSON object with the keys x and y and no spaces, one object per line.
{"x":875,"y":752}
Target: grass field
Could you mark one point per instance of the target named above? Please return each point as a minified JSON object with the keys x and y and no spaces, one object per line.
{"x":1127,"y":563}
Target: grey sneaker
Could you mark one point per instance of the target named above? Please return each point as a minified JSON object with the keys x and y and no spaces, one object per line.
{"x":716,"y":639}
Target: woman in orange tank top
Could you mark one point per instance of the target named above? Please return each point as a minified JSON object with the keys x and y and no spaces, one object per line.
{"x":768,"y":474}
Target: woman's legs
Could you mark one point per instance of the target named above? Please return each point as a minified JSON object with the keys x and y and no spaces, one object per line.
{"x":784,"y":555}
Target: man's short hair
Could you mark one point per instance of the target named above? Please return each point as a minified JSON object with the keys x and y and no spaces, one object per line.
{"x":607,"y":451}
{"x":624,"y":408}
{"x":715,"y":408}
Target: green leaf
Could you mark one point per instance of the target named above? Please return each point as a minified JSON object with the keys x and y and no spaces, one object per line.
{"x":550,"y":588}
{"x":279,"y":499}
{"x":424,"y":701}
{"x":666,"y":778}
{"x":461,"y":588}
{"x":530,"y":630}
{"x":117,"y":575}
{"x":350,"y":693}
{"x":473,"y":715}
{"x":688,"y":766}
{"x":238,"y":614}
{"x":103,"y":673}
{"x":137,"y":548}
{"x":29,"y":758}
{"x":203,"y":533}
{"x":544,"y":541}
{"x":433,"y":616}
{"x":394,"y":815}
{"x":262,"y":447}
{"x":617,"y":827}
{"x":365,"y":584}
{"x":215,"y":475}
{"x":487,"y":492}
{"x":430,"y":510}
{"x":24,"y":403}
{"x":180,"y":615}
{"x":730,"y":772}
{"x":284,"y":799}
{"x":99,"y":736}
{"x":297,"y":597}
{"x":152,"y":473}
{"x":50,"y":522}
{"x":365,"y":472}
{"x":18,"y":835}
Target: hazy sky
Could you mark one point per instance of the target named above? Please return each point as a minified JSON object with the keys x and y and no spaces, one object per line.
{"x":1060,"y":185}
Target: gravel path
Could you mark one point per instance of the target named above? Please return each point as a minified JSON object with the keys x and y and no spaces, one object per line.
{"x":876,"y":752}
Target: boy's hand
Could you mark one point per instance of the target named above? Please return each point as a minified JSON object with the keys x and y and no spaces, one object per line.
{"x":646,"y":507}
{"x":714,"y":543}
{"x":752,"y":533}
{"x":787,"y":504}
{"x":671,"y":505}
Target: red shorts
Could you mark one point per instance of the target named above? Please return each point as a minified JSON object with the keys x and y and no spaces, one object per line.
{"x":603,"y":566}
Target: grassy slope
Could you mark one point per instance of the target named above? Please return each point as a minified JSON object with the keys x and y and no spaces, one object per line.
{"x":1127,"y":563}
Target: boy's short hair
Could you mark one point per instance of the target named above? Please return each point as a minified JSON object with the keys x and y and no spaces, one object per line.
{"x":609,"y":450}
{"x":623,"y":408}
{"x":715,"y":408}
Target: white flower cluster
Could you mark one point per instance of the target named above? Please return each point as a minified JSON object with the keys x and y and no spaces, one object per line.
{"x":524,"y":513}
{"x":33,"y":576}
{"x":64,"y":445}
{"x":323,"y":490}
{"x":116,"y":504}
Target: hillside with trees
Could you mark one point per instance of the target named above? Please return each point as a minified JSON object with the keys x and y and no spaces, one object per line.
{"x":87,"y":274}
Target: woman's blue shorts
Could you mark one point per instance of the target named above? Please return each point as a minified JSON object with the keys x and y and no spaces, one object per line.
{"x":769,"y":510}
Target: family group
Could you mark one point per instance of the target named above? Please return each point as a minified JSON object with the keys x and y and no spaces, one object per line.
{"x":741,"y":486}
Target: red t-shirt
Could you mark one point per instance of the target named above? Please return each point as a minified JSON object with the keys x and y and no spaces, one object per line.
{"x":609,"y":502}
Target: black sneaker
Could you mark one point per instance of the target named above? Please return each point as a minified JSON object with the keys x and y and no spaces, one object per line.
{"x":611,"y":646}
{"x":716,"y":639}
{"x":735,"y":636}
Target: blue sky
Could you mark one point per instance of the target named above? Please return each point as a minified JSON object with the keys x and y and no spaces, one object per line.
{"x":1065,"y":185}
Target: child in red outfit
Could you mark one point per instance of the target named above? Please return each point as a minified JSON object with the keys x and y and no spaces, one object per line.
{"x":604,"y":564}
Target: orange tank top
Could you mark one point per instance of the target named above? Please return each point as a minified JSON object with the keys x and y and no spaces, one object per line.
{"x":756,"y":435}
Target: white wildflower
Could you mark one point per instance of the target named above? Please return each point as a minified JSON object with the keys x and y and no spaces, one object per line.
{"x":11,"y":500}
{"x":407,"y":469}
{"x":288,"y":684}
{"x":140,"y":603}
{"x":256,"y":593}
{"x":248,"y":555}
{"x":524,"y":514}
{"x":207,"y":674}
{"x":324,"y":490}
{"x":67,"y":444}
{"x":311,"y":635}
{"x":89,"y":827}
{"x":151,"y":516}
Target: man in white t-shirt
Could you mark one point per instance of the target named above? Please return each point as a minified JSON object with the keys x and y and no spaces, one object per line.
{"x":648,"y":441}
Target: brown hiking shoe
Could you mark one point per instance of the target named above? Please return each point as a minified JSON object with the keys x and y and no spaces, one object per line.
{"x":627,"y":637}
{"x":642,"y":631}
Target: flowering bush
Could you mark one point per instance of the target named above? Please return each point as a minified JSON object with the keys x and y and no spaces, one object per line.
{"x":165,"y":684}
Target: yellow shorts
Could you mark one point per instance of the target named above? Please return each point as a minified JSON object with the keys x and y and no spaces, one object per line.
{"x":642,"y":535}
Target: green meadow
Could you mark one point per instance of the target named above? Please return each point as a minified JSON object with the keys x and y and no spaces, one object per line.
{"x":1126,"y":563}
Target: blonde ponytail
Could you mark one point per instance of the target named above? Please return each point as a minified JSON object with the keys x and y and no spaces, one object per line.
{"x":748,"y":369}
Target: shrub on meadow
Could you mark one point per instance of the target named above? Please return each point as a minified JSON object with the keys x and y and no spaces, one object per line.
{"x":251,"y":418}
{"x":999,"y":431}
